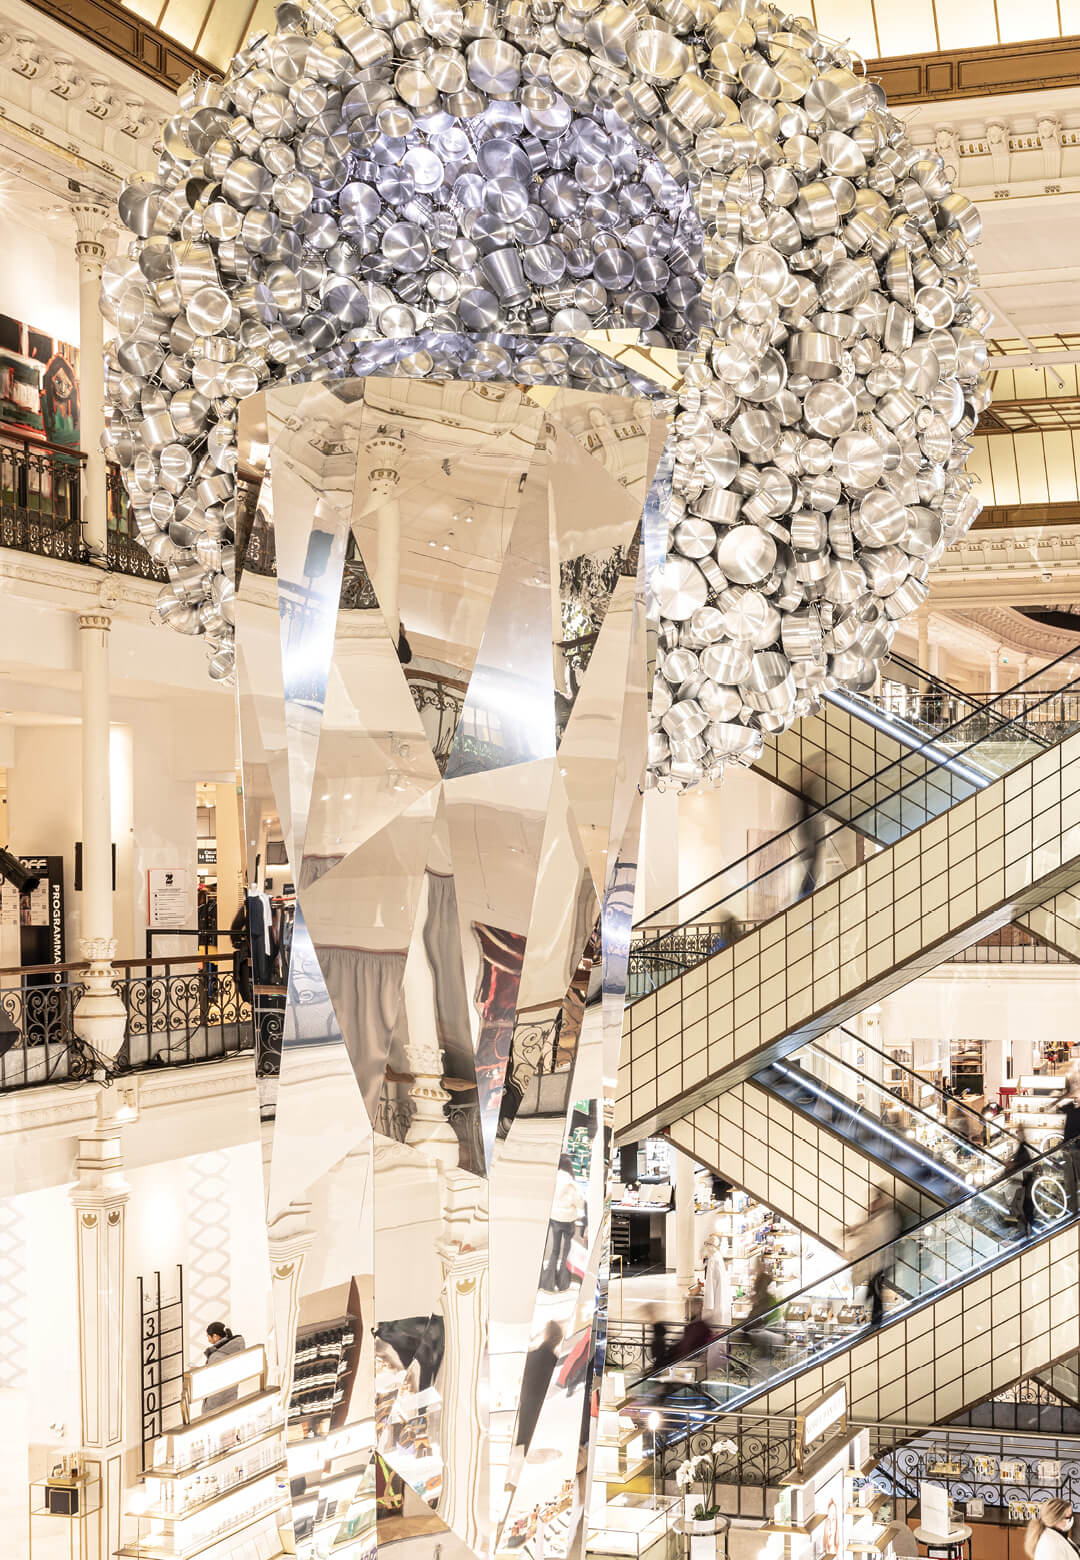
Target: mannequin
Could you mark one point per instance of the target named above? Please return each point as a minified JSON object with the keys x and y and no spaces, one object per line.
{"x":717,"y":1298}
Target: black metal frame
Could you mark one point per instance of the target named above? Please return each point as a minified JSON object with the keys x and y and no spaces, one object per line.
{"x":161,"y":1349}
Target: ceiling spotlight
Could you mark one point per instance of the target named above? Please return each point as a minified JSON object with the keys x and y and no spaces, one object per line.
{"x":468,"y":519}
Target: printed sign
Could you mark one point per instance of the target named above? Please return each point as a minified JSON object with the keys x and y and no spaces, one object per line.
{"x":170,"y":900}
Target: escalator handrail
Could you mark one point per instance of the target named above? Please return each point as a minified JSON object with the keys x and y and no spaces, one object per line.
{"x":914,"y":753}
{"x":857,"y":1111}
{"x":949,"y":691}
{"x":866,"y":1256}
{"x":923,"y":1083}
{"x":666,"y":931}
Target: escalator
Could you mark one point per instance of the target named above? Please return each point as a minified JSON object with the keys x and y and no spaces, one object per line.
{"x":830,"y":758}
{"x":724,"y":993}
{"x":973,"y":1303}
{"x":934,"y":1142}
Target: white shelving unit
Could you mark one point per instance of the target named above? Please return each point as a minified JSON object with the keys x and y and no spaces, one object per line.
{"x":218,"y":1483}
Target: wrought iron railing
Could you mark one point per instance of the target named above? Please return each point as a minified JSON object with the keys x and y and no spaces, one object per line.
{"x":179,"y":1011}
{"x":653,"y":954}
{"x":40,"y":488}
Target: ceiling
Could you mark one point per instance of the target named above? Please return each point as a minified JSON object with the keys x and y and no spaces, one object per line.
{"x":877,"y":29}
{"x":883,"y":29}
{"x":213,"y":29}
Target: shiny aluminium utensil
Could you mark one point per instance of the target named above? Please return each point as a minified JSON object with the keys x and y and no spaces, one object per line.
{"x":422,"y":190}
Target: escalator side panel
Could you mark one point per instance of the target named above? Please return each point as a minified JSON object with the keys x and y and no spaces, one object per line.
{"x":792,"y":1165}
{"x":953,"y":1353}
{"x":896,"y":916}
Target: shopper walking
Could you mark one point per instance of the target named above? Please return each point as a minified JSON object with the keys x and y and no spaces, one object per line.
{"x":540,"y":1365}
{"x":1049,"y":1535}
{"x":1069,"y":1106}
{"x":567,"y":1209}
{"x":869,"y":1248}
{"x":221,"y":1341}
{"x":1019,"y":1167}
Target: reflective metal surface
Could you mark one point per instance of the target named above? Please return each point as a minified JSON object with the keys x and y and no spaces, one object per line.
{"x":415,"y":175}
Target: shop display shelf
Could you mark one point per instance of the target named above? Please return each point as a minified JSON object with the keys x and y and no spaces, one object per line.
{"x":162,"y":1514}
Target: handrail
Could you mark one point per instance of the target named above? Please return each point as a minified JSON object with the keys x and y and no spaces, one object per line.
{"x":815,"y":812}
{"x":10,"y":437}
{"x":745,"y":1326}
{"x":82,"y":965}
{"x":853,"y":1109}
{"x":924,"y":1083}
{"x":665,"y":931}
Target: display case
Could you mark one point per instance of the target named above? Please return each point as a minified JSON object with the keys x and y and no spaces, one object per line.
{"x":634,"y":1526}
{"x":320,"y":1375}
{"x":220,"y":1479}
{"x":60,"y":1506}
{"x":620,"y":1447}
{"x":1029,"y":1107}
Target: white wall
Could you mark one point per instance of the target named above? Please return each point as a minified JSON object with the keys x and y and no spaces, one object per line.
{"x":688,"y":838}
{"x":1013,"y":1007}
{"x":40,"y":273}
{"x":159,"y":751}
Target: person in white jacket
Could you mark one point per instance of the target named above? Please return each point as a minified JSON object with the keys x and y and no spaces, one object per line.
{"x":567,"y":1208}
{"x":1048,"y":1535}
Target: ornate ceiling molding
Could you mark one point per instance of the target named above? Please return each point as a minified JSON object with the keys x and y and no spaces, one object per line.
{"x":74,"y":121}
{"x":127,"y":37}
{"x":986,"y":72}
{"x":1014,"y":631}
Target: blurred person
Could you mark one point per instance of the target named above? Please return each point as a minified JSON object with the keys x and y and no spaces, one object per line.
{"x":1069,"y":1106}
{"x":1049,"y":1534}
{"x":868,"y":1247}
{"x":1019,"y":1164}
{"x":540,"y":1365}
{"x":761,"y":1328}
{"x":567,"y":1211}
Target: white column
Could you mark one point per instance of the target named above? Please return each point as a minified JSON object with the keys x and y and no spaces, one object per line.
{"x":100,"y":1196}
{"x":464,"y":1306}
{"x":387,"y":579}
{"x":923,"y":656}
{"x":995,"y":672}
{"x":429,"y":1130}
{"x":99,"y":1016}
{"x":289,"y":1238}
{"x":90,"y":222}
{"x":684,"y":1219}
{"x":1023,"y":668}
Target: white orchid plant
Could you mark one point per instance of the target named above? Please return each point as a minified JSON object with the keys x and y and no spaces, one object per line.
{"x":703,"y":1468}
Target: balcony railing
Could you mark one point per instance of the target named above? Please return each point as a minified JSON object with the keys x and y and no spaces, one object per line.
{"x":179,"y":1011}
{"x":41,"y":508}
{"x":40,"y":487}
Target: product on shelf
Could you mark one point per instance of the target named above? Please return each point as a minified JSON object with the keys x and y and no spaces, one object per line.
{"x":220,"y":1479}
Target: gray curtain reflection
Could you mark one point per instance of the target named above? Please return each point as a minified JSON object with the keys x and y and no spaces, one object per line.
{"x":365,"y":988}
{"x":442,"y":943}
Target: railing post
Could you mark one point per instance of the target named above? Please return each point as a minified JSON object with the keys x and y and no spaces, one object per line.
{"x":100,"y":1017}
{"x":90,"y":223}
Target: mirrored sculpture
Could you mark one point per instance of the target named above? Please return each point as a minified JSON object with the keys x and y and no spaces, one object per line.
{"x":442,"y":685}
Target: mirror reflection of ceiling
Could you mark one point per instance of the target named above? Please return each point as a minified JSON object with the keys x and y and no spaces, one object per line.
{"x":878,"y":29}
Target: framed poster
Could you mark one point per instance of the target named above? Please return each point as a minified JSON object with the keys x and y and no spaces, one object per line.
{"x":41,"y":914}
{"x":39,"y":384}
{"x":169,"y":899}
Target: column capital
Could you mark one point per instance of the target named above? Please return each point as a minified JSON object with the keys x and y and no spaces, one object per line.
{"x":92,"y":620}
{"x":91,"y":220}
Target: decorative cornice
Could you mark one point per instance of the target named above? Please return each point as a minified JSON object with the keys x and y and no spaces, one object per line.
{"x":1018,"y":517}
{"x":1016,"y":632}
{"x":124,"y":35}
{"x":986,"y":72}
